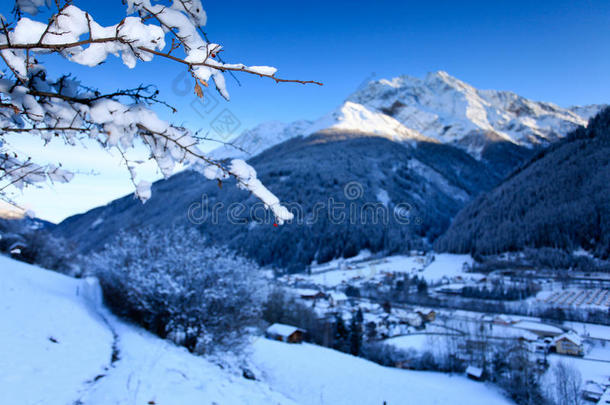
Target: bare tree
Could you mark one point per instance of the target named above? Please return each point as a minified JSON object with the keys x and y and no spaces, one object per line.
{"x":565,"y":386}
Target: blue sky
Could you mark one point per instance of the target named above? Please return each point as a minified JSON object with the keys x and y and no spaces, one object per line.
{"x":557,"y":51}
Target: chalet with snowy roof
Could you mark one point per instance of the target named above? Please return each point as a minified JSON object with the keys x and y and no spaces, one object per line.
{"x":12,"y":243}
{"x":285,"y":333}
{"x":569,"y":343}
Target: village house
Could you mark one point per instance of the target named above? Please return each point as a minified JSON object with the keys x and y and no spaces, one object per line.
{"x":17,"y":248}
{"x":569,"y":343}
{"x":285,"y":333}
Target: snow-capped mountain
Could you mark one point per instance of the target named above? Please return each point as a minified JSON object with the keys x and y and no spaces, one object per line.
{"x":451,"y":111}
{"x":437,"y":108}
{"x":356,"y":118}
{"x":253,"y":141}
{"x":350,"y":117}
{"x":571,"y":174}
{"x":435,"y":173}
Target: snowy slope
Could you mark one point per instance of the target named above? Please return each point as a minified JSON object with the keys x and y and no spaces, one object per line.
{"x":151,"y":369}
{"x":314,"y":375}
{"x":438,"y":107}
{"x":36,"y":305}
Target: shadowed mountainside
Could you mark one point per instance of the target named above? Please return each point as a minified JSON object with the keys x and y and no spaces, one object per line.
{"x":561,"y":199}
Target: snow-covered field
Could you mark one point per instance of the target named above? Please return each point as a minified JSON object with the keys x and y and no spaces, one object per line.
{"x":444,"y":266}
{"x":315,"y":375}
{"x":601,"y":332}
{"x":416,"y":341}
{"x":447,"y":265}
{"x":58,"y":340}
{"x":589,"y":370}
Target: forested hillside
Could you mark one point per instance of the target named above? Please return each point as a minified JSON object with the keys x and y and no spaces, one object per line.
{"x":561,"y":198}
{"x":387,"y":196}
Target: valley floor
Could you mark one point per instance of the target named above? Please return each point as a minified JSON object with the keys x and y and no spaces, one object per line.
{"x":61,"y":346}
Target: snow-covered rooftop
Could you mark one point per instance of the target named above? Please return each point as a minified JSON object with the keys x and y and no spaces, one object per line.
{"x":281,"y":329}
{"x":571,"y":336}
{"x":538,"y":327}
{"x":474,"y":371}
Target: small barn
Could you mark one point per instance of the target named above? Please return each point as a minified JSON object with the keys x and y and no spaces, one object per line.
{"x":285,"y":333}
{"x":474,"y":373}
{"x":569,"y":343}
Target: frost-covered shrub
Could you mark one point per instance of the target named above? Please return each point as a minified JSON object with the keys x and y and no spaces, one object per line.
{"x":170,"y":283}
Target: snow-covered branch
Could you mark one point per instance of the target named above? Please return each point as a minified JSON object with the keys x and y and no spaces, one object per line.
{"x":32,"y":103}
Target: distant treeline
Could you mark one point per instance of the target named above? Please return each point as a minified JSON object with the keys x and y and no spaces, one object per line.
{"x":501,"y":292}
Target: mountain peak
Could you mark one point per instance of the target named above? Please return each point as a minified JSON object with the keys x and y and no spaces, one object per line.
{"x":442,"y":76}
{"x":356,"y":118}
{"x":438,"y":107}
{"x":449,"y":110}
